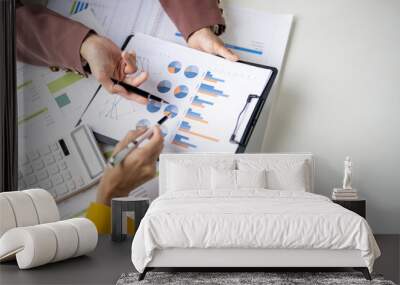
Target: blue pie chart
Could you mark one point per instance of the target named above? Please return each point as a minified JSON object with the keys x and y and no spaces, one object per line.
{"x":181,"y":91}
{"x":143,"y":124}
{"x":191,"y":71}
{"x":174,"y":67}
{"x":164,"y":86}
{"x":172,"y":109}
{"x":153,"y":106}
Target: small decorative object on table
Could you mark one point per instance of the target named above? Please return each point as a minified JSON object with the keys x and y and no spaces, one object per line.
{"x":347,"y":196}
{"x":347,"y":192}
{"x":120,"y":207}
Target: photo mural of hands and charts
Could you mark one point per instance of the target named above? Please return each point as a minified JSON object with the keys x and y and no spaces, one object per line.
{"x":199,"y":93}
{"x":200,"y":96}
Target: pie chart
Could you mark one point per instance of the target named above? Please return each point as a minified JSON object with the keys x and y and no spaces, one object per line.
{"x":164,"y":86}
{"x":172,"y":109}
{"x":174,"y":67}
{"x":181,"y":91}
{"x":143,"y":124}
{"x":191,"y":71}
{"x":153,"y":106}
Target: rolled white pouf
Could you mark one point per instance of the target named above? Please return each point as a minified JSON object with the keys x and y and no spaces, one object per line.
{"x":67,"y":240}
{"x":33,"y":246}
{"x":23,"y":208}
{"x":45,"y":205}
{"x":7,"y":217}
{"x":87,"y":234}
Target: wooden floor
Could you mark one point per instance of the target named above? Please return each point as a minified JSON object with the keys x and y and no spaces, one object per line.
{"x":389,"y":262}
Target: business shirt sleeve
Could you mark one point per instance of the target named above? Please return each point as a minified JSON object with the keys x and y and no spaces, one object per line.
{"x":46,"y":38}
{"x":192,"y":15}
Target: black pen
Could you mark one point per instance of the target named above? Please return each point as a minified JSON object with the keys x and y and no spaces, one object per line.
{"x":139,"y":91}
{"x":131,"y":88}
{"x":122,"y":154}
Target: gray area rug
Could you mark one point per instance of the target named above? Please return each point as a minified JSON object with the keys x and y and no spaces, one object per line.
{"x":232,"y":278}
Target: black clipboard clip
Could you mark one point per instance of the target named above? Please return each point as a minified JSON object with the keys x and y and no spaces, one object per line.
{"x":233,"y":136}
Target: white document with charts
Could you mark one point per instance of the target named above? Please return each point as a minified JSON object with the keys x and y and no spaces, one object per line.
{"x":205,"y":94}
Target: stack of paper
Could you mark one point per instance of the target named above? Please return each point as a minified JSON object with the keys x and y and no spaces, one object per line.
{"x":344,"y":194}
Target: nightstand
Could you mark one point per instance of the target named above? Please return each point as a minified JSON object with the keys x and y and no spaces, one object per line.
{"x":357,"y":206}
{"x":121,"y":205}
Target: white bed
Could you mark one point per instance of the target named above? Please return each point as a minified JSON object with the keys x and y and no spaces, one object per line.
{"x":198,"y":222}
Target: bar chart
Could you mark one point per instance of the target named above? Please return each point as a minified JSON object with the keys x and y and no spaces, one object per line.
{"x":186,"y":128}
{"x":195,"y":115}
{"x":200,"y":102}
{"x":210,"y":90}
{"x":182,"y":141}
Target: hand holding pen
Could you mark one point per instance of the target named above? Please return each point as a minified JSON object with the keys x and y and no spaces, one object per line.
{"x":107,"y":62}
{"x":138,"y":167}
{"x":119,"y":156}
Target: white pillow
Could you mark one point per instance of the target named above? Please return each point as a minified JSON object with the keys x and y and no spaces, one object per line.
{"x":182,"y":177}
{"x":281,"y":174}
{"x":293,"y":179}
{"x":251,"y":178}
{"x":223,"y":179}
{"x":193,"y":174}
{"x":227,"y":179}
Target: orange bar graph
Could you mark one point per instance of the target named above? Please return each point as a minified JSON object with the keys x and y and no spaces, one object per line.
{"x":180,"y":144}
{"x":197,"y":105}
{"x":199,"y":135}
{"x":196,"y":119}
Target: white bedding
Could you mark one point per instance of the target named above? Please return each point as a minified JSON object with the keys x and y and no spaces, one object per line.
{"x":252,"y":218}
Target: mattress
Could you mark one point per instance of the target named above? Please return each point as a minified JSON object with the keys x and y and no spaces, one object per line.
{"x":251,"y":219}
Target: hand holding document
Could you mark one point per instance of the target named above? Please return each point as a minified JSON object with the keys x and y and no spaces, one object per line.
{"x":205,"y":93}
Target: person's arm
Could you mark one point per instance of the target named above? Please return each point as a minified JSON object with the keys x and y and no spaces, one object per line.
{"x":190,"y":16}
{"x":48,"y":39}
{"x":196,"y":20}
{"x":137,"y":168}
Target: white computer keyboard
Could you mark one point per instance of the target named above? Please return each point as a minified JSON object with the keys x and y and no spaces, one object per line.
{"x":64,"y":167}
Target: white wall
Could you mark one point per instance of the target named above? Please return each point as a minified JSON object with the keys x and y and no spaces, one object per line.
{"x":340,"y":95}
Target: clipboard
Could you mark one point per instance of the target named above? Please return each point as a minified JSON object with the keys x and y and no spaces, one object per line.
{"x":250,"y":125}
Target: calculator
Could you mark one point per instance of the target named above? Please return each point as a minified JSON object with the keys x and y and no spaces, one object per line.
{"x":64,"y":167}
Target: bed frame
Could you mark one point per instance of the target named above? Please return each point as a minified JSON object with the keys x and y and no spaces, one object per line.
{"x":236,"y":259}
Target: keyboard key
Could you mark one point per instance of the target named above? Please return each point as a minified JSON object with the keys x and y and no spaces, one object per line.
{"x":49,"y":159}
{"x":46,"y":184}
{"x":61,"y":190}
{"x":71,"y":185}
{"x":67,"y":175}
{"x":53,"y":169}
{"x":57,"y":179}
{"x":38,"y":165}
{"x":58,"y":156}
{"x":79,"y":181}
{"x":54,"y":147}
{"x":44,"y":150}
{"x":30,"y":180}
{"x":63,"y":165}
{"x":27,"y":170}
{"x":33,"y":155}
{"x":43,"y":174}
